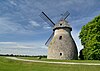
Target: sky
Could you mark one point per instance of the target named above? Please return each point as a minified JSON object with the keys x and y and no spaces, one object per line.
{"x":23,"y":32}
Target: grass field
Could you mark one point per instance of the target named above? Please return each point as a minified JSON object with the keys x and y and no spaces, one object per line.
{"x":45,"y":59}
{"x":13,"y":65}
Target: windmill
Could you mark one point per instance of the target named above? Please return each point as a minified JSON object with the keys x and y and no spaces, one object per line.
{"x":60,"y":44}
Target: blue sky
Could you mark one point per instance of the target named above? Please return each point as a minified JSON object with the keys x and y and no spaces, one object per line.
{"x":22,"y":31}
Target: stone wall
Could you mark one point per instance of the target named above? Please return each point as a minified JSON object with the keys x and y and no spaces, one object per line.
{"x":62,"y":46}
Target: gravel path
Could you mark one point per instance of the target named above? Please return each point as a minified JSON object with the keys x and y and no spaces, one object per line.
{"x":73,"y":63}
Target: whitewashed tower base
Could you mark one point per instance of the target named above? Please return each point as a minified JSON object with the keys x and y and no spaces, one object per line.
{"x":62,"y":45}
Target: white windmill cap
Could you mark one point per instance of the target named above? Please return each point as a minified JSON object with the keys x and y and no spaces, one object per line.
{"x":62,"y":24}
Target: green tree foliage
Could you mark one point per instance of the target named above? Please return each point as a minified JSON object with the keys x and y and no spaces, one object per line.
{"x":90,"y":39}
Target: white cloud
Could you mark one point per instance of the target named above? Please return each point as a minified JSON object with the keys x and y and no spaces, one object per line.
{"x":7,"y":26}
{"x":75,"y":35}
{"x":13,"y":2}
{"x":16,"y":45}
{"x":46,"y":27}
{"x":34,"y":24}
{"x":7,"y":43}
{"x":22,"y":44}
{"x":82,"y":21}
{"x":24,"y":48}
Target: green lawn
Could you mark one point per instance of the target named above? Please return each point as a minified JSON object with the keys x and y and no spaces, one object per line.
{"x":13,"y":65}
{"x":78,"y":61}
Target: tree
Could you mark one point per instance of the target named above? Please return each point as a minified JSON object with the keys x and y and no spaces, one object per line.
{"x":90,"y":39}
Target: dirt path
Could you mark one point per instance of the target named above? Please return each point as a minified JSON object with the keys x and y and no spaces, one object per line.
{"x":14,"y":58}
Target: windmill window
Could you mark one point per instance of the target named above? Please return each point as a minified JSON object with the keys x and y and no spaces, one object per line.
{"x":60,"y":54}
{"x":60,"y":24}
{"x":60,"y":37}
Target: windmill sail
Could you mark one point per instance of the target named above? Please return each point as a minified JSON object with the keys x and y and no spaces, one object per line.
{"x":50,"y":38}
{"x":47,"y":19}
{"x":65,"y":15}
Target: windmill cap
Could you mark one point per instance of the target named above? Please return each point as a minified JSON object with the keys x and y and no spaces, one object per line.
{"x":62,"y":24}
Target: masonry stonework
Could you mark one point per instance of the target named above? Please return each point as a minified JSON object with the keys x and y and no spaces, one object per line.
{"x":64,"y":48}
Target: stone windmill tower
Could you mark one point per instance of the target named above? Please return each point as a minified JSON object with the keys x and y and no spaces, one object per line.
{"x":60,"y":44}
